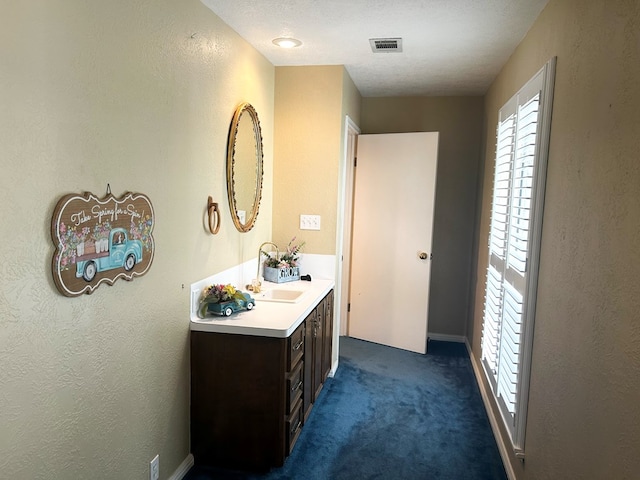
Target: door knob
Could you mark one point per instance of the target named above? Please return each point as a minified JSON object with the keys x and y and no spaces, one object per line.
{"x":423,"y":255}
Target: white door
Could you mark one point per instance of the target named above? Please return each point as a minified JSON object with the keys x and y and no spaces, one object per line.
{"x":394,"y":197}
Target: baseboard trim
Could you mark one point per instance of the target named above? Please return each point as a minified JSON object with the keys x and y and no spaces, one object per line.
{"x":502,"y":446}
{"x":183,"y":469}
{"x":442,"y":337}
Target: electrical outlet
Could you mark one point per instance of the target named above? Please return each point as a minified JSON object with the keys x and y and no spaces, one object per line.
{"x":154,"y":468}
{"x":309,"y":222}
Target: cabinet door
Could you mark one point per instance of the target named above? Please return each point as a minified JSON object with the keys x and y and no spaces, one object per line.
{"x":308,"y":364}
{"x":317,"y":350}
{"x":327,"y":339}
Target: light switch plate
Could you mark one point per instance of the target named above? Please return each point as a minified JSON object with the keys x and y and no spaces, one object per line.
{"x":309,"y":222}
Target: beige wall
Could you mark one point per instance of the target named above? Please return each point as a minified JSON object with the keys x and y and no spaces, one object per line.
{"x":351,"y":102}
{"x":459,"y":122}
{"x":310,"y":106}
{"x":584,"y":419}
{"x":138,"y":95}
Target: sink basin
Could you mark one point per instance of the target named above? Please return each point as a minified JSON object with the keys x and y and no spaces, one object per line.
{"x":280,"y":295}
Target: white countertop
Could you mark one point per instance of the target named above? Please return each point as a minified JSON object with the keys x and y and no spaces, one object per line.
{"x":269,"y":319}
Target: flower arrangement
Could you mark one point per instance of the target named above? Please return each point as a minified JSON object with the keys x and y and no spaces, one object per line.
{"x":221,"y":293}
{"x":218,"y":294}
{"x":287,"y":259}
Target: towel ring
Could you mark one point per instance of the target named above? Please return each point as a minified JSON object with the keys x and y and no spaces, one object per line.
{"x":214,"y":216}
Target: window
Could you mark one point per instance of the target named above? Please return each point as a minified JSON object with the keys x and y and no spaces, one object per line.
{"x":522,"y":139}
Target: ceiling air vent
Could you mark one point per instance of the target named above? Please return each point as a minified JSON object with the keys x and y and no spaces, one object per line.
{"x":386,"y":44}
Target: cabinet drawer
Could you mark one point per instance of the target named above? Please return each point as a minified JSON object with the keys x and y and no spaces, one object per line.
{"x":296,"y":347}
{"x":293,"y":425}
{"x":295,"y":384}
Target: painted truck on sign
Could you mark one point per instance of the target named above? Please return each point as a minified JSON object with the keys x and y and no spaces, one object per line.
{"x":115,"y":251}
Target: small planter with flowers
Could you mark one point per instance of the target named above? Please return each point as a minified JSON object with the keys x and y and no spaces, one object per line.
{"x":284,"y":268}
{"x":223,"y":300}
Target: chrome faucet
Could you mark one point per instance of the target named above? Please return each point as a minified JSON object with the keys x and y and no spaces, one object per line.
{"x":256,"y":284}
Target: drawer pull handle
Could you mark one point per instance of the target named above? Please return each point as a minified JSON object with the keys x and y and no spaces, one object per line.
{"x":298,"y":345}
{"x":296,"y":428}
{"x":297,"y":387}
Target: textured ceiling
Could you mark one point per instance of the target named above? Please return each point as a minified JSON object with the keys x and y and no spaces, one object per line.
{"x":450,"y":47}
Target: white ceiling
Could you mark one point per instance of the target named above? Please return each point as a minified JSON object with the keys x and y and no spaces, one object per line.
{"x":450,"y":47}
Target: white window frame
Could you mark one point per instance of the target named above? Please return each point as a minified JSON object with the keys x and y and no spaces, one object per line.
{"x":514,"y":410}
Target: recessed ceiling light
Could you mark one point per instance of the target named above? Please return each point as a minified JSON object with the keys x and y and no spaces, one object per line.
{"x":287,"y":42}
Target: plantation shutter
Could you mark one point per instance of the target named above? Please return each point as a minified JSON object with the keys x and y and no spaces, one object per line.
{"x":514,"y":238}
{"x":498,"y":239}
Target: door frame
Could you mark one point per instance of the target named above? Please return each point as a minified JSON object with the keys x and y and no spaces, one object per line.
{"x":343,"y":235}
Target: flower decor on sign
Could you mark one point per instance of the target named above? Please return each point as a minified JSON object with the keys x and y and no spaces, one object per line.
{"x":141,"y":230}
{"x":287,"y":259}
{"x":219,"y":294}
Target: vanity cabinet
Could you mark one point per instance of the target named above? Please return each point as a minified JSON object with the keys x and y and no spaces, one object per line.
{"x":250,"y":395}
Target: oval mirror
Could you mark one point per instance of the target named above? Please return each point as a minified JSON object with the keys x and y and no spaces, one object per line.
{"x":244,"y":167}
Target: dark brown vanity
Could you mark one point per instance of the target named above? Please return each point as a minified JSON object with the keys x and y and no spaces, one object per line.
{"x":251,"y":394}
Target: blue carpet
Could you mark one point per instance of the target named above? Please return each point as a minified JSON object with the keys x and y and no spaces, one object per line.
{"x":391,"y":414}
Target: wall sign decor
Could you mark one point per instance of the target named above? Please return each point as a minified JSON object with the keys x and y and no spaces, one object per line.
{"x":99,"y":240}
